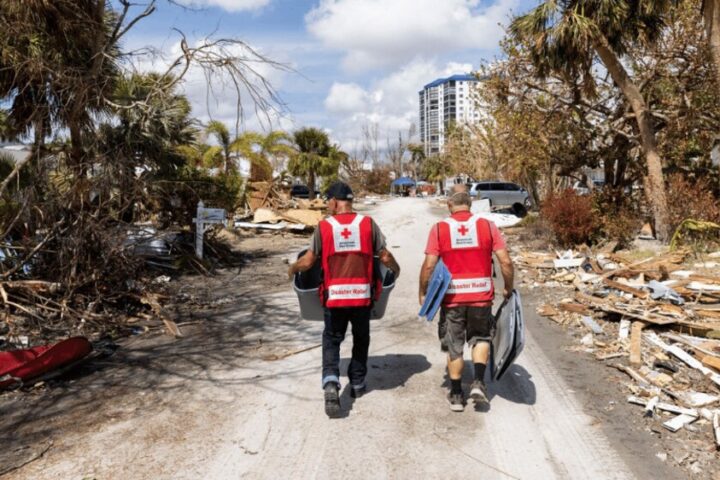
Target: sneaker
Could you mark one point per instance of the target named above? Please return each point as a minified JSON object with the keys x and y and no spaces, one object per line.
{"x":478,"y":392}
{"x":358,"y":391}
{"x":332,"y":400}
{"x":456,"y":401}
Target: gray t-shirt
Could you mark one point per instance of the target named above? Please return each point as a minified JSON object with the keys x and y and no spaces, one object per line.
{"x":378,"y":240}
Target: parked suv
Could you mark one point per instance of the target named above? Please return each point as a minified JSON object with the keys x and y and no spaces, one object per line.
{"x":502,"y":194}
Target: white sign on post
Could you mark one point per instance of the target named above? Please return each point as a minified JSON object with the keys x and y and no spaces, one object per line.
{"x":206,"y":216}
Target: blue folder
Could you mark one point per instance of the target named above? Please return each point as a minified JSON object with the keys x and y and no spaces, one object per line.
{"x":438,"y":286}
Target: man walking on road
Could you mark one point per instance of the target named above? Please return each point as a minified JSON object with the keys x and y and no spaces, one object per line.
{"x":465,"y":243}
{"x":346,"y":243}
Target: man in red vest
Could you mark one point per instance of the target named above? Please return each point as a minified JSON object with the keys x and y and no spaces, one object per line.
{"x":346,"y":242}
{"x":465,"y":243}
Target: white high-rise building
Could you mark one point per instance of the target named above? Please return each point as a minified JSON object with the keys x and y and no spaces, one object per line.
{"x":442,"y":102}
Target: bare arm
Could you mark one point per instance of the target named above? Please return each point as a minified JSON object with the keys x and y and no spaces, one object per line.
{"x":426,"y":272}
{"x":508,"y":272}
{"x":387,"y":259}
{"x":302,"y":264}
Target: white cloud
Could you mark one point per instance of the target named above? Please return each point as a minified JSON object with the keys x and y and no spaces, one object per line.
{"x":378,"y":33}
{"x":229,"y":5}
{"x":346,"y":98}
{"x":391,"y":102}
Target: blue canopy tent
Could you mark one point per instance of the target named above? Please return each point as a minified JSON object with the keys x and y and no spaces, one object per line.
{"x":402,"y":185}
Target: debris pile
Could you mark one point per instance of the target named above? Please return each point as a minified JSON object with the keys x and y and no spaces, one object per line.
{"x":656,"y":319}
{"x":272,"y":209}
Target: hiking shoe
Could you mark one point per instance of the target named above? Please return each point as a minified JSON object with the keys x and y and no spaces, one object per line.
{"x":478,"y":392}
{"x":456,"y":401}
{"x":358,"y":391}
{"x":332,"y":400}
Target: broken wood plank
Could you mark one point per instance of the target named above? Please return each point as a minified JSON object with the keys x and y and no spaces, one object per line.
{"x":711,"y":361}
{"x":610,"y":356}
{"x":606,"y":306}
{"x":547,"y":310}
{"x":666,"y":407}
{"x":574,"y":308}
{"x":632,"y":373}
{"x":636,"y":292}
{"x":676,"y":423}
{"x":636,"y":343}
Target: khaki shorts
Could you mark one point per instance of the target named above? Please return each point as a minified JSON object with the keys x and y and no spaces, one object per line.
{"x":474,"y":324}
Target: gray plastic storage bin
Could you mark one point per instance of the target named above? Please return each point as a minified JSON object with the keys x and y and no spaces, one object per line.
{"x":306,"y":286}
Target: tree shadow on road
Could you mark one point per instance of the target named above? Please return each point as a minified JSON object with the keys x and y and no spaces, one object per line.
{"x":385,"y":372}
{"x":152,"y":372}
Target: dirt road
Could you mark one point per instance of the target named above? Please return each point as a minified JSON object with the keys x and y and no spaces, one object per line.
{"x":247,"y":417}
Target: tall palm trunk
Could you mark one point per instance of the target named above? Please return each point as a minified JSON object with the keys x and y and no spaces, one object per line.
{"x":311,"y":184}
{"x":654,"y":180}
{"x":711,"y":14}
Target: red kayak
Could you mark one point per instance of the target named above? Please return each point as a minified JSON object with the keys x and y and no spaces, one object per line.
{"x":21,"y":366}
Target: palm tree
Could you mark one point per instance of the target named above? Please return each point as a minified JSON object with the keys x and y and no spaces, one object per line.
{"x":565,"y":35}
{"x":315,"y":157}
{"x":265,"y":152}
{"x":260,"y":150}
{"x":222,"y":152}
{"x":59,"y":67}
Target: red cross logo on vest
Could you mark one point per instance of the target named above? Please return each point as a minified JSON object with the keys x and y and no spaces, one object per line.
{"x":346,"y":233}
{"x":463,"y":230}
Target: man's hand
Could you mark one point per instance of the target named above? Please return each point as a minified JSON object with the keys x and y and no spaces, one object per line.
{"x":425,"y":273}
{"x":507,"y":293}
{"x":303,"y":264}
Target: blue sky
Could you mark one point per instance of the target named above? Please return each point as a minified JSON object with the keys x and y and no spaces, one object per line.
{"x":359,"y":62}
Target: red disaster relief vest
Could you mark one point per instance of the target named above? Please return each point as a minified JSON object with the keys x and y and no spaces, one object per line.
{"x":347,"y":260}
{"x":466,"y":250}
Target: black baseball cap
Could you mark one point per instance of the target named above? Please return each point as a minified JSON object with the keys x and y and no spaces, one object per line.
{"x":339,"y":191}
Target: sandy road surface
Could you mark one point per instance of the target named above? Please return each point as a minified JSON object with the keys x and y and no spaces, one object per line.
{"x":263,"y":419}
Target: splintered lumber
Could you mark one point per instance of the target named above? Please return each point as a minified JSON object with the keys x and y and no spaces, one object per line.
{"x":636,"y":292}
{"x":684,"y":356}
{"x":676,"y":423}
{"x":606,"y":306}
{"x":574,"y":308}
{"x":632,"y":373}
{"x":708,"y":313}
{"x":704,"y":279}
{"x":711,"y":361}
{"x":310,"y":218}
{"x":666,"y":407}
{"x":636,"y":343}
{"x":546,"y":310}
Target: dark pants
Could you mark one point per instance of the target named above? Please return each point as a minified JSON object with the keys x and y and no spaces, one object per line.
{"x":336,"y":323}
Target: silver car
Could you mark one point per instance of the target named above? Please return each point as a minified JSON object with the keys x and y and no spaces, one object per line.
{"x":502,"y":194}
